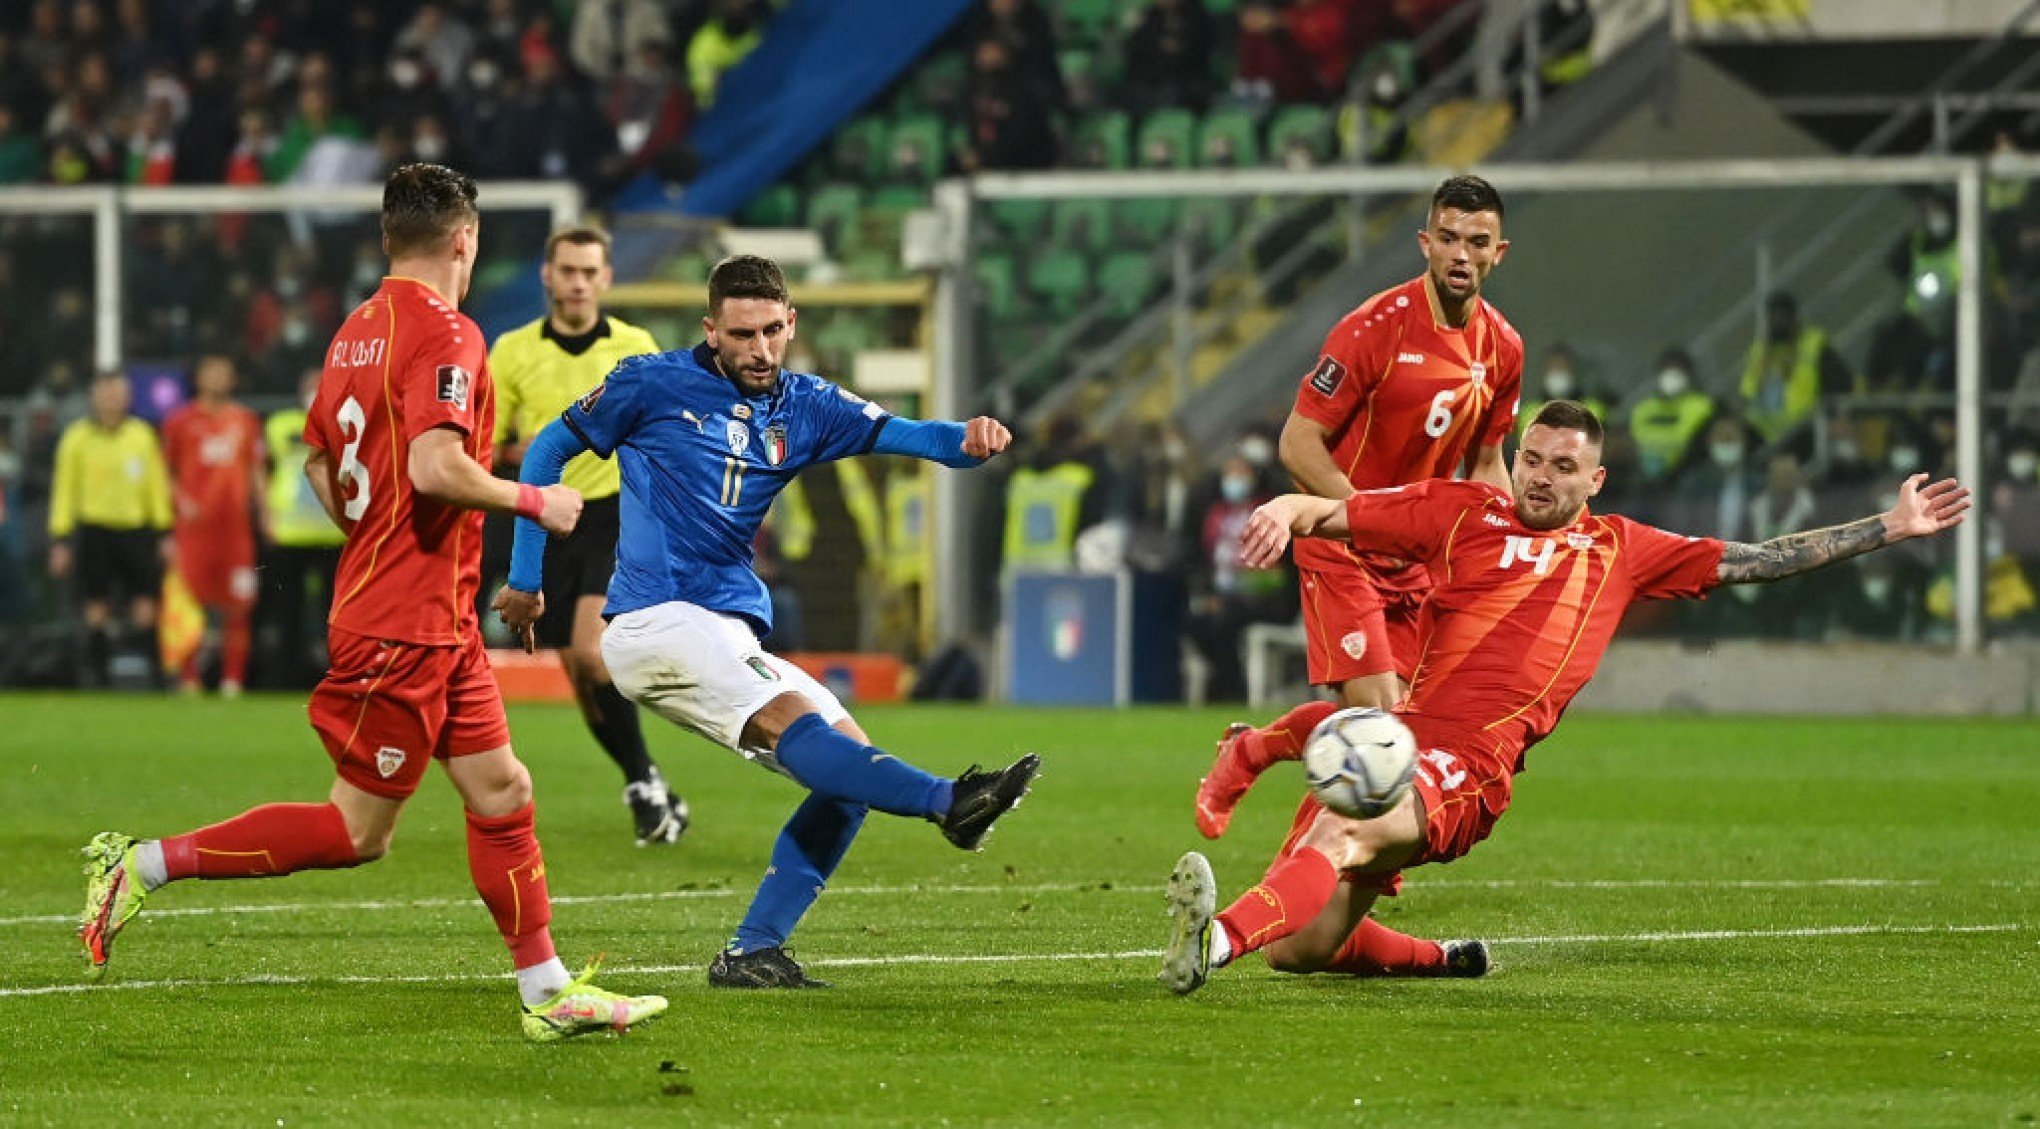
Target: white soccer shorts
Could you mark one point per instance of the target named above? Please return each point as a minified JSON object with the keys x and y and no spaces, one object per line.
{"x":705,"y":672}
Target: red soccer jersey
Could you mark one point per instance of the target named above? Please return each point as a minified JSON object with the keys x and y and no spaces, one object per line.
{"x":1405,"y":398}
{"x":213,"y":456}
{"x":1518,"y":617}
{"x":404,"y":363}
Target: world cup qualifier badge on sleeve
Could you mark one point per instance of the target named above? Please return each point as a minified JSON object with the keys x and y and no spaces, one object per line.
{"x":454,"y":382}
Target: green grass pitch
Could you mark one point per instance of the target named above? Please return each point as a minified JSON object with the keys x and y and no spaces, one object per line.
{"x":1696,"y":922}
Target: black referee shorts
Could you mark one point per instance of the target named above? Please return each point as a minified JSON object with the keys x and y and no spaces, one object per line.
{"x":577,"y":565}
{"x":118,"y":564}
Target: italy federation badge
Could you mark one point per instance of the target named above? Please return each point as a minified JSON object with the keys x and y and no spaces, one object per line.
{"x":775,"y":444}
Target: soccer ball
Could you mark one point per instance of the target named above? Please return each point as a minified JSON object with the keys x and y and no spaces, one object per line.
{"x":1359,"y":762}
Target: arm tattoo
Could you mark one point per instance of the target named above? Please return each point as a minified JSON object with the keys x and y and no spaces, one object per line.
{"x":1795,"y":553}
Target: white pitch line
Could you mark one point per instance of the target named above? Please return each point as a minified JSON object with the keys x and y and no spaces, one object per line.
{"x":1044,"y":888}
{"x":1020,"y":958}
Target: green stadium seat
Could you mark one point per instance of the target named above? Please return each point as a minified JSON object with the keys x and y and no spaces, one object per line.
{"x":1212,"y":221}
{"x":1167,"y":140}
{"x":917,"y":150}
{"x":873,"y":265}
{"x":1104,"y":141}
{"x":845,"y":332}
{"x":1308,"y":127}
{"x":1228,"y":137}
{"x":777,"y":206}
{"x":997,"y":290}
{"x":1090,"y":21}
{"x":1125,"y":283}
{"x":1018,"y":220}
{"x":858,"y":150}
{"x":1081,"y":224}
{"x":1061,"y":280}
{"x":939,"y":81}
{"x":1147,"y":219}
{"x":835,"y":211}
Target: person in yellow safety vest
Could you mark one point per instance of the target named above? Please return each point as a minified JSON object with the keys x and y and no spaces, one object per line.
{"x":1565,"y":36}
{"x":1791,"y":366}
{"x":301,"y":550}
{"x":1047,"y":503}
{"x":895,"y":535}
{"x":110,"y":521}
{"x":1559,"y":381}
{"x":1666,"y":424}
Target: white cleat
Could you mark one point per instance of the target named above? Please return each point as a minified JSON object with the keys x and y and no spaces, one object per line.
{"x":1193,"y":899}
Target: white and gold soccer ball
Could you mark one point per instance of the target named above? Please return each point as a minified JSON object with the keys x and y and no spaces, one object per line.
{"x":1359,"y":761}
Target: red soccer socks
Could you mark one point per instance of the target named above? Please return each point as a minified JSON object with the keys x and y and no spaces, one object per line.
{"x":261,"y":842}
{"x":509,"y":874}
{"x":1295,"y":891}
{"x":1244,"y":754}
{"x":1376,"y":950}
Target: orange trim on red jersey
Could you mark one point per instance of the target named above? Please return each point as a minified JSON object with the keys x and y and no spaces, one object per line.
{"x":1367,"y":428}
{"x":368,"y":696}
{"x":396,"y":471}
{"x":1579,"y":628}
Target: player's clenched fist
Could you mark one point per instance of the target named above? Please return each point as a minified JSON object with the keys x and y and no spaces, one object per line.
{"x":520,"y":611}
{"x":984,"y":437}
{"x":562,"y":509}
{"x":1266,"y":534}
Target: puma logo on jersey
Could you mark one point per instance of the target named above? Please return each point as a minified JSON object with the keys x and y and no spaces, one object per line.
{"x":1409,"y":358}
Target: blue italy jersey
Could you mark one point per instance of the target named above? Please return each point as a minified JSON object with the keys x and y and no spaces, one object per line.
{"x":701,"y":464}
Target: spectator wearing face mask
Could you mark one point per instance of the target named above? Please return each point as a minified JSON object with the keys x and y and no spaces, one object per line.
{"x":1560,"y":380}
{"x":1226,"y":595}
{"x":2015,"y":501}
{"x":1666,"y":424}
{"x":1791,"y":368}
{"x":1711,"y":497}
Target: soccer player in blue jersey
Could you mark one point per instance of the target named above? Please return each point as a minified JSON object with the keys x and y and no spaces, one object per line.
{"x":706,"y":438}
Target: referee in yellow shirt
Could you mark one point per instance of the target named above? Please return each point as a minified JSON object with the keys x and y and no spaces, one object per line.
{"x":110,"y":522}
{"x":539,"y":370}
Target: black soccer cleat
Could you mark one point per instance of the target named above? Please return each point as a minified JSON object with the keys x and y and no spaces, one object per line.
{"x":1466,"y":960}
{"x":658,"y":815}
{"x":980,"y":798}
{"x":759,"y":968}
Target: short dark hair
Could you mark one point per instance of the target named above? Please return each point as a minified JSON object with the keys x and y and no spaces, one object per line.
{"x":745,"y":276}
{"x":422,"y":205}
{"x":580,"y":235}
{"x":1468,"y":194}
{"x":1570,"y":415}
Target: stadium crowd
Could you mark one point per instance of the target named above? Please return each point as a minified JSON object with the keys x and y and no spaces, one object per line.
{"x":150,"y":93}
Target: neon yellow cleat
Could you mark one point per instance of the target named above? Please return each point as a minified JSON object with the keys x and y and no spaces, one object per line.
{"x":581,"y":1007}
{"x":113,"y":895}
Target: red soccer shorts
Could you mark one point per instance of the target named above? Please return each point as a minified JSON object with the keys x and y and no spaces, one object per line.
{"x":217,"y":562}
{"x":1352,"y":628}
{"x":386,"y":709}
{"x":1463,"y":795}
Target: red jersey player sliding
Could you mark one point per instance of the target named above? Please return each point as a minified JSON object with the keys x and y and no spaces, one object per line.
{"x":1421,"y":381}
{"x":1528,"y":595}
{"x":213,"y":449}
{"x":401,"y":433}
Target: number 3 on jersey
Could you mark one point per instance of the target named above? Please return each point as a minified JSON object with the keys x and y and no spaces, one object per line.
{"x":353,"y":476}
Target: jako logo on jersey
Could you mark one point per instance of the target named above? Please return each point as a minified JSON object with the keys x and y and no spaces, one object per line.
{"x":1477,"y":372}
{"x":453,"y":386}
{"x":739,"y":437}
{"x":775,"y":444}
{"x":1497,"y":522}
{"x":1409,"y":358}
{"x":388,"y":760}
{"x":1326,"y":376}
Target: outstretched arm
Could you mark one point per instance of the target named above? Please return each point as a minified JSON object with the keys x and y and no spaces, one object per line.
{"x":1919,"y":512}
{"x":958,"y":445}
{"x":1273,"y":523}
